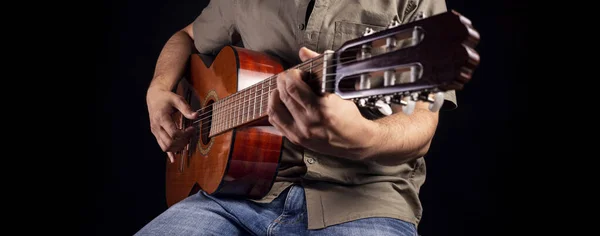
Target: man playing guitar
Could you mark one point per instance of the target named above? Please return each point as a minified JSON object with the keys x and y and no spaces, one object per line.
{"x":341,"y":172}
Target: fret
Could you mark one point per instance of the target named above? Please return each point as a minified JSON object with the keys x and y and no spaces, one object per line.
{"x":249,"y":100}
{"x":243,"y":106}
{"x":255,"y":94}
{"x":249,"y":105}
{"x":226,"y":114}
{"x":269,"y":92}
{"x":249,"y":92}
{"x":223,"y":114}
{"x":237,"y":110}
{"x":240,"y":108}
{"x":254,"y":103}
{"x":264,"y":93}
{"x":220,"y":116}
{"x":260,"y":97}
{"x":234,"y":111}
{"x":229,"y":113}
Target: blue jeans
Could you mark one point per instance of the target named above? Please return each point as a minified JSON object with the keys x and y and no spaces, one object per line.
{"x":202,"y":214}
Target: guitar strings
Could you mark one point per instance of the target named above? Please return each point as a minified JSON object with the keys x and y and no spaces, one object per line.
{"x":244,"y":115}
{"x":252,"y":96}
{"x":239,"y":96}
{"x":240,"y":100}
{"x":223,"y":123}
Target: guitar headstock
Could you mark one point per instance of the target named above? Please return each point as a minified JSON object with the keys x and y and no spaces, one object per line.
{"x":405,"y":63}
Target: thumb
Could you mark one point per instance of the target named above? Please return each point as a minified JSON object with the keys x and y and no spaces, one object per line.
{"x":181,"y":105}
{"x":306,"y":54}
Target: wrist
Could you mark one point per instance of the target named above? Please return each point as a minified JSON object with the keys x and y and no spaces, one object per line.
{"x":155,"y":89}
{"x":160,"y":83}
{"x":372,"y":139}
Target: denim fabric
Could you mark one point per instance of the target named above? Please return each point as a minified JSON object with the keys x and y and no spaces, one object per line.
{"x":202,"y":214}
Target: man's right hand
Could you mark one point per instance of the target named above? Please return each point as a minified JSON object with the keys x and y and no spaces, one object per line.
{"x":161,"y":105}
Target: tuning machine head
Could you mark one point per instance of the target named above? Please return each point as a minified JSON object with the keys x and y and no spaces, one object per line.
{"x":368,"y":31}
{"x":436,"y":100}
{"x":395,"y":22}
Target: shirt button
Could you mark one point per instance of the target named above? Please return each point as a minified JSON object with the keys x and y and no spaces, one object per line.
{"x":310,"y":160}
{"x":301,"y":26}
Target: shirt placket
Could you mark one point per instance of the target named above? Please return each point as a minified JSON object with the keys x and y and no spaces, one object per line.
{"x":308,"y":35}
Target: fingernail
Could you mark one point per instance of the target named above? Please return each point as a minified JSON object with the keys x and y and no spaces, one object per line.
{"x":171,"y":157}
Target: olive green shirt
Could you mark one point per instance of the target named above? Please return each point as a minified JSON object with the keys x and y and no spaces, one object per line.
{"x":337,"y":190}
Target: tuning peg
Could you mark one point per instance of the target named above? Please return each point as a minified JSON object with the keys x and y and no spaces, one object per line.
{"x":362,"y":102}
{"x":409,"y":106}
{"x":387,"y":99}
{"x":436,"y":102}
{"x":366,"y":102}
{"x":408,"y":103}
{"x":383,"y":107}
{"x":368,"y":31}
{"x":395,"y":22}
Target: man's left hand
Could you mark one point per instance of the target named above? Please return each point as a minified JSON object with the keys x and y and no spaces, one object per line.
{"x":326,"y":124}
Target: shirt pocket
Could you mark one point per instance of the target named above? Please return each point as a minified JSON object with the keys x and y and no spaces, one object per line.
{"x":345,"y":31}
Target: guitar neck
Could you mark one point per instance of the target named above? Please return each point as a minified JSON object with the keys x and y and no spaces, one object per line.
{"x":251,"y":103}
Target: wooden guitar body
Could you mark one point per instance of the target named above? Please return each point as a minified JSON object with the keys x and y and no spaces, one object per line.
{"x":238,"y":162}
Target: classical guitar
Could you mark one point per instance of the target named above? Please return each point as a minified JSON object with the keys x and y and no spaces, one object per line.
{"x":237,"y":152}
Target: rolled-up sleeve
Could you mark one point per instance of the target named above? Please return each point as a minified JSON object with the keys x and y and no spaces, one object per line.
{"x":214,"y":26}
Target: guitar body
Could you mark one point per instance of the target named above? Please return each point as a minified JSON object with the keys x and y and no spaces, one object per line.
{"x":239,"y":162}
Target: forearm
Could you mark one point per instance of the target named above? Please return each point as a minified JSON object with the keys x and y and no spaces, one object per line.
{"x":399,"y":138}
{"x":172,"y":60}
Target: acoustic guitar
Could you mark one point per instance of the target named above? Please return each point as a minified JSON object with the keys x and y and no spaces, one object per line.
{"x":236,"y":151}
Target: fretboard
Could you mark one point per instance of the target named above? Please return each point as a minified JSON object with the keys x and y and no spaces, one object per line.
{"x":251,"y":103}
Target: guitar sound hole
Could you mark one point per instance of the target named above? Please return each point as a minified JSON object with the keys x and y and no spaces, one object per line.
{"x":206,"y":119}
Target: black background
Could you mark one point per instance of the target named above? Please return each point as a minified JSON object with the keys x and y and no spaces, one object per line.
{"x":469,"y":168}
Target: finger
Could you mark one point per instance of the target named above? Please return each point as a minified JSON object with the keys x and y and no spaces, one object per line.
{"x":176,"y":138}
{"x":189,"y":131}
{"x":166,"y":140}
{"x":306,"y":54}
{"x":177,"y":135}
{"x":294,"y":108}
{"x":167,"y":123}
{"x":183,"y":107}
{"x":279,"y":115}
{"x":171,"y":156}
{"x":160,"y":142}
{"x":290,"y":136}
{"x":299,"y":91}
